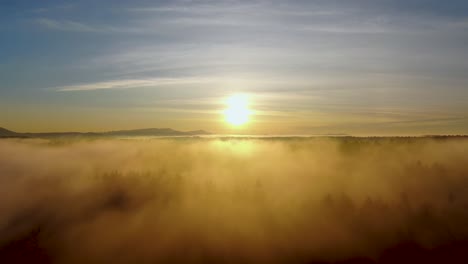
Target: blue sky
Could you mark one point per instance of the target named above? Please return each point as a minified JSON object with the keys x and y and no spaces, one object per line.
{"x":357,"y":67}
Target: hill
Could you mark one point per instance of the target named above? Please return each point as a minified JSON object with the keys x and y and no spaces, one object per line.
{"x":8,"y":133}
{"x":155,"y":132}
{"x":148,"y":132}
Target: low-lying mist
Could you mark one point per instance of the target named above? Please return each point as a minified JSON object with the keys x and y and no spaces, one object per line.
{"x":195,"y":200}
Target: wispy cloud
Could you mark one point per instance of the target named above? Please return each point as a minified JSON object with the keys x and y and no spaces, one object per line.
{"x":76,"y":26}
{"x":225,"y":81}
{"x":66,"y":25}
{"x":176,"y":18}
{"x":200,"y":9}
{"x":133,"y":83}
{"x":47,"y":9}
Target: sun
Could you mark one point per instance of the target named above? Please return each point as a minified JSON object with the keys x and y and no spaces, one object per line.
{"x":238,"y":112}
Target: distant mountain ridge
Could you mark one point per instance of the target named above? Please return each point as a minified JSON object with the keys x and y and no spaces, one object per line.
{"x":155,"y":132}
{"x":128,"y":133}
{"x":7,"y":133}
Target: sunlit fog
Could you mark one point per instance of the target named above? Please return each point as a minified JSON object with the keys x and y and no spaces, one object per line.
{"x":198,"y":200}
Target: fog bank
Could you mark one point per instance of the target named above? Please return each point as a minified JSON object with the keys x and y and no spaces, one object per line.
{"x":190,"y":200}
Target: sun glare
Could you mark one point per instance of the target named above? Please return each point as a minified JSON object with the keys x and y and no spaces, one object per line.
{"x":237,"y":112}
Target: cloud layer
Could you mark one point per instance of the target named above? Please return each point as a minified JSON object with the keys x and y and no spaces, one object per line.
{"x":231,"y":200}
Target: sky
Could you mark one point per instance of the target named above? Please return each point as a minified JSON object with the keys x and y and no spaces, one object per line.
{"x":359,"y":67}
